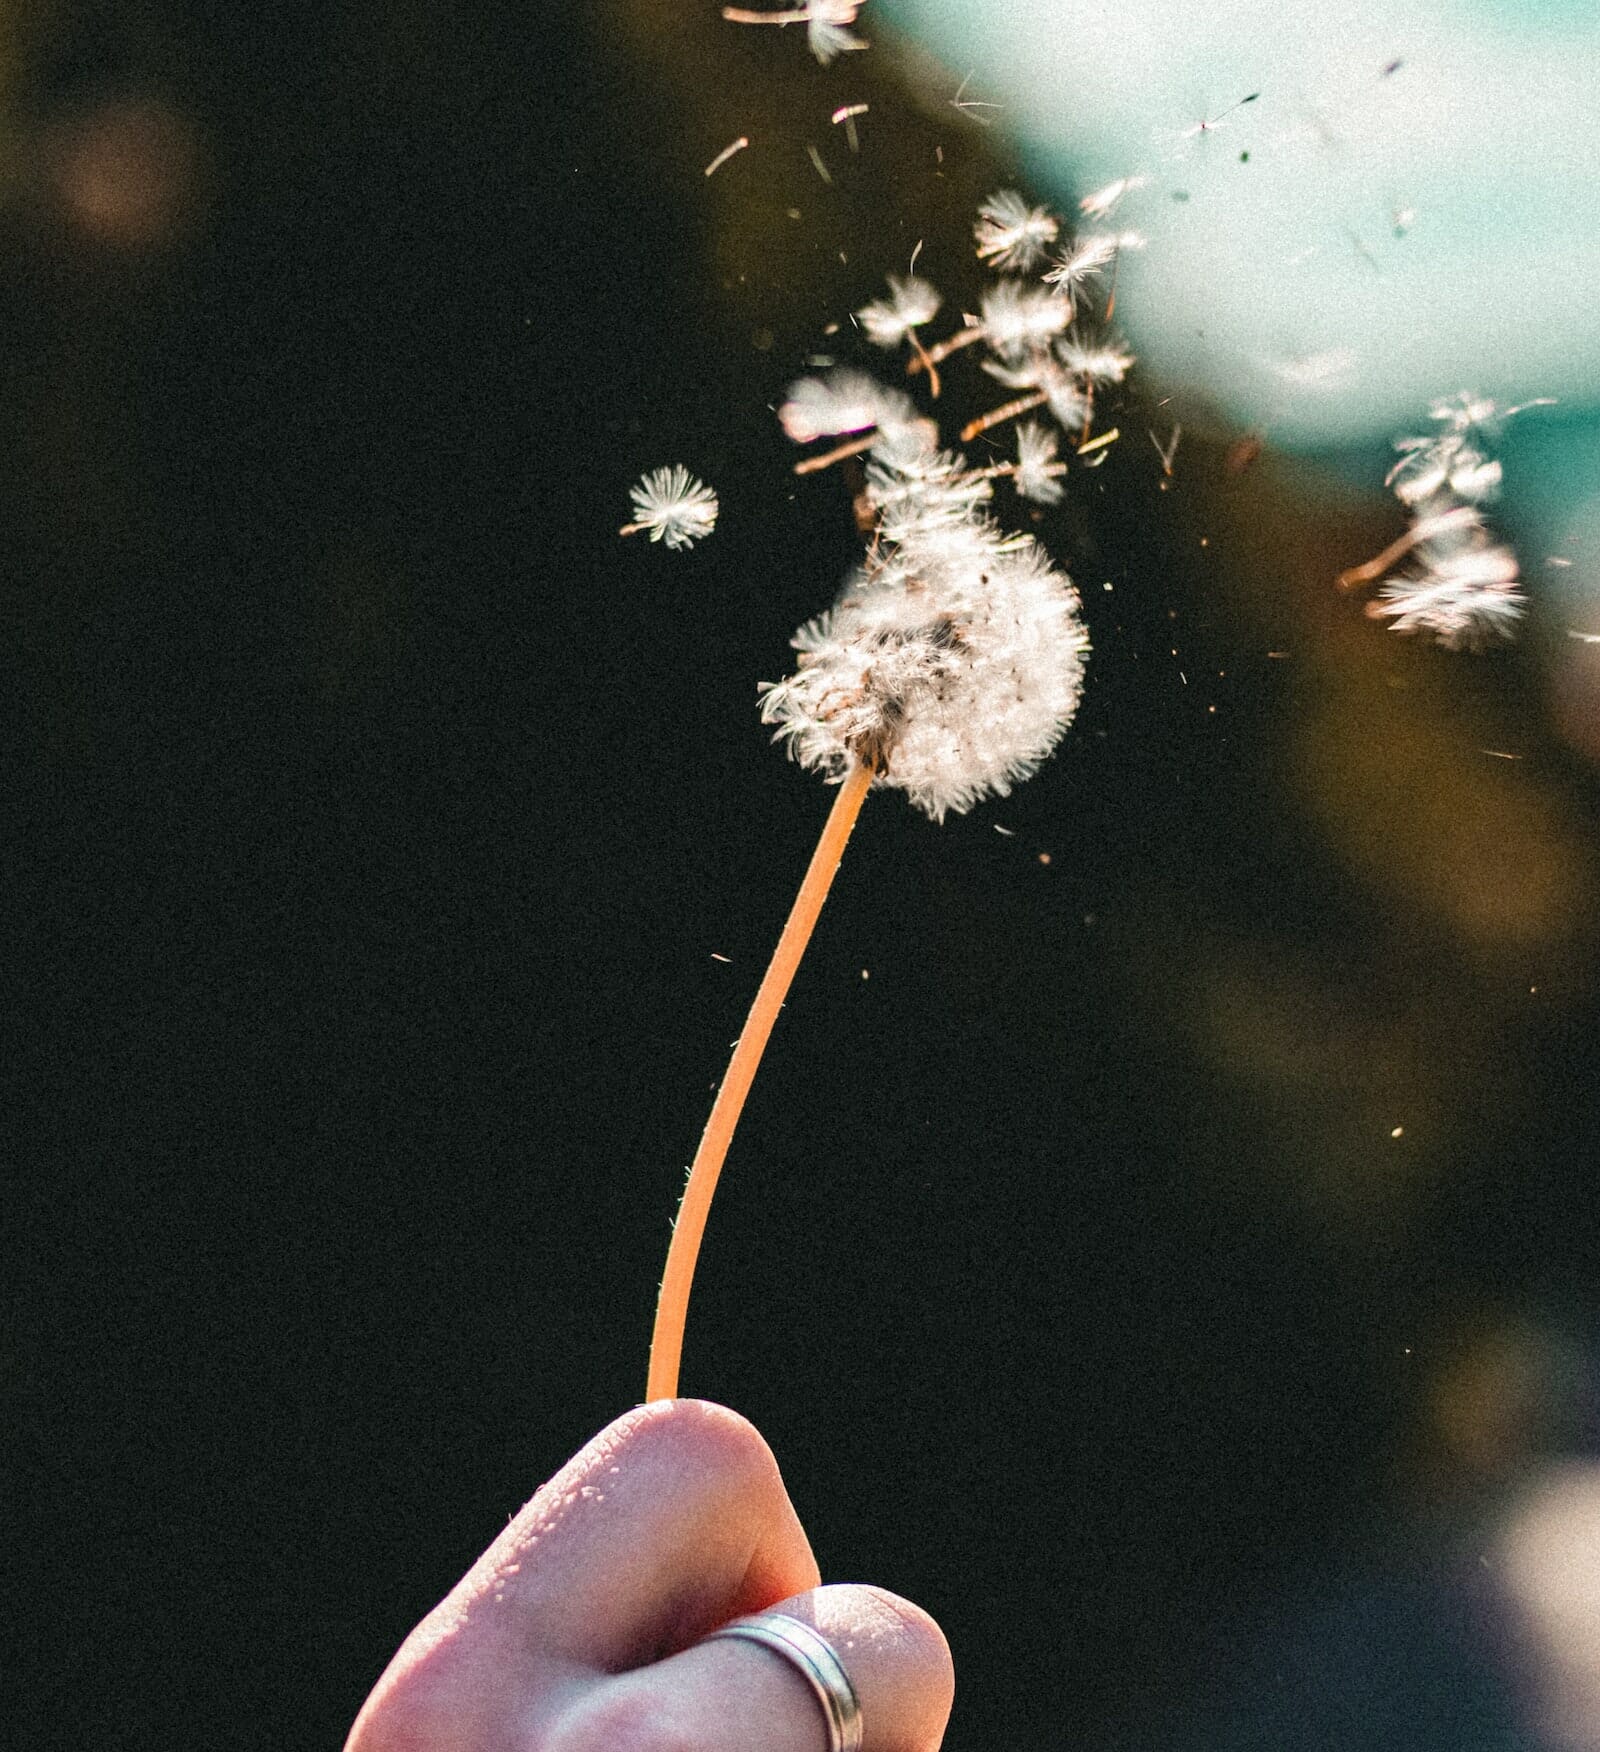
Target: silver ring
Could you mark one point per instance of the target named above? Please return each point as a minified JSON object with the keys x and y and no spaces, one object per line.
{"x":821,"y":1668}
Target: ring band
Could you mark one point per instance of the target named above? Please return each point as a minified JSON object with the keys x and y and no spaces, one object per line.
{"x":821,"y":1668}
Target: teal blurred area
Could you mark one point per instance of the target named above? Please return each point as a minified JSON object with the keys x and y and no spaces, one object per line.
{"x":1352,"y":209}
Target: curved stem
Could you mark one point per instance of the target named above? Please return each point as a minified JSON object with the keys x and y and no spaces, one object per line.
{"x":851,"y":447}
{"x":1457,"y":517}
{"x":997,"y":416}
{"x":672,"y":1308}
{"x":928,"y":357}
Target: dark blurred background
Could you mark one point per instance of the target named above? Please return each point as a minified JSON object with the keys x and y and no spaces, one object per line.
{"x":1161,"y":1240}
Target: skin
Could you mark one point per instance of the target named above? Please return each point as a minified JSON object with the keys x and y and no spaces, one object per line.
{"x":579,"y":1628}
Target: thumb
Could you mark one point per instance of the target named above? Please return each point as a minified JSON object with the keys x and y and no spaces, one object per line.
{"x":582,"y":1626}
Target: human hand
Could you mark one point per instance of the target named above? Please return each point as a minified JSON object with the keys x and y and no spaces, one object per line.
{"x":582,"y":1627}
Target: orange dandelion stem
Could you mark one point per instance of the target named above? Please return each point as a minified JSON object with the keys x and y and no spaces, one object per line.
{"x":672,"y":1308}
{"x":726,"y":153}
{"x":1100,"y":443}
{"x":930,"y":356}
{"x":1380,"y":563}
{"x":853,"y":447}
{"x":928,"y":363}
{"x":997,"y":416}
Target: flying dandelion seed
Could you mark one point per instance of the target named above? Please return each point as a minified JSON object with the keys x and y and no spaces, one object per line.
{"x":1036,"y":466}
{"x":673,"y":506}
{"x":1103,"y":201}
{"x":827,"y":24}
{"x":1460,"y":584}
{"x":889,"y":321}
{"x":1012,"y":236}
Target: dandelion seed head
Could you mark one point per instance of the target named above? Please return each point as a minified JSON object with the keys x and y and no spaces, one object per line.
{"x":953,"y":659}
{"x":1467,"y":412}
{"x":1454,"y":460}
{"x":1465,"y":604}
{"x":1011,"y":235}
{"x":674,"y":506}
{"x":827,"y":24}
{"x":827,"y":41}
{"x":1460,"y":583}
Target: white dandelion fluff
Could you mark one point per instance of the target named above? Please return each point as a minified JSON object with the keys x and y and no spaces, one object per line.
{"x":1085,"y":259}
{"x":1103,"y":201}
{"x":888,"y":321}
{"x":1052,"y":385}
{"x":673,"y":506}
{"x":1036,"y":468}
{"x":1466,"y":600}
{"x":1454,"y":459}
{"x":952,"y":662}
{"x":1462,"y":585}
{"x":1011,"y":235}
{"x":827,"y":23}
{"x":828,"y":32}
{"x":1018,"y":317}
{"x":1459,"y":583}
{"x":841,"y":401}
{"x":1093,"y":359}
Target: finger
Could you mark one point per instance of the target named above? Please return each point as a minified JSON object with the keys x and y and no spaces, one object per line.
{"x":671,"y":1521}
{"x":730,"y":1694}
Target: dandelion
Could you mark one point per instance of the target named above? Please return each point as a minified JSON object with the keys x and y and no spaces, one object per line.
{"x":888,"y":322}
{"x":1010,"y":234}
{"x":949,"y":668}
{"x":953,"y":659}
{"x":951,"y":693}
{"x":1015,"y":317}
{"x":1454,"y":459}
{"x":673,"y":506}
{"x":827,"y":24}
